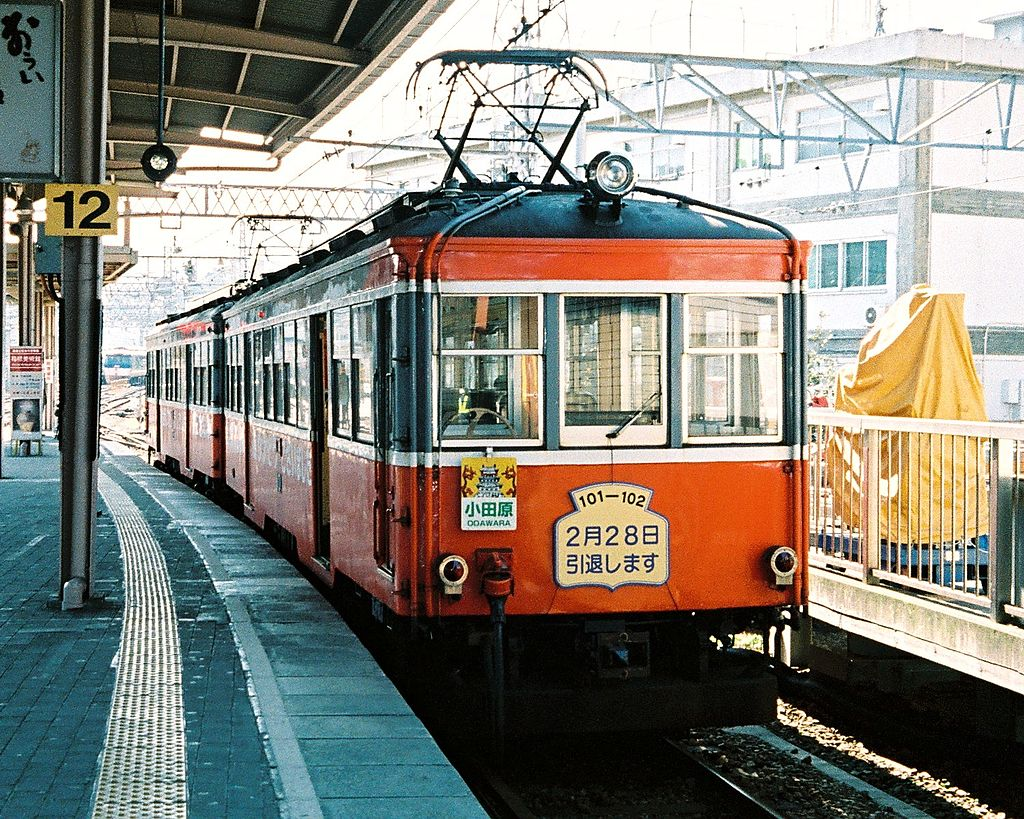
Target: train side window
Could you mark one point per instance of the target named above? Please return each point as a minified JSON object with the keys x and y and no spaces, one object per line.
{"x":363,"y":334}
{"x":613,"y":370}
{"x":233,"y":381}
{"x":288,"y":373}
{"x":211,"y":395}
{"x":278,"y":371}
{"x":229,"y":374}
{"x":196,"y":354}
{"x":239,"y":373}
{"x":302,"y":386}
{"x":732,"y":365}
{"x":490,"y":368}
{"x":341,"y":373}
{"x":179,"y":366}
{"x":247,"y":377}
{"x":268,"y":373}
{"x":257,"y":374}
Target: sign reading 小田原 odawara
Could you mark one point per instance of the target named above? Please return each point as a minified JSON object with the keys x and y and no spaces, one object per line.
{"x":488,"y":493}
{"x":611,"y":538}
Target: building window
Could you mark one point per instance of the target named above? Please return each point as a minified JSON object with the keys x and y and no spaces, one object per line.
{"x":657,"y":158}
{"x":490,"y":367}
{"x":827,"y":121}
{"x":754,"y":152}
{"x":732,"y":362}
{"x":862,"y":264}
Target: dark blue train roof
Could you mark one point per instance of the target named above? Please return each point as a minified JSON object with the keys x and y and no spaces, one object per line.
{"x":545,"y":212}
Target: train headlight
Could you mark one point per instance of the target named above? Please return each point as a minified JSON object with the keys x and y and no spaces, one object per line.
{"x":783,"y":563}
{"x":453,"y":571}
{"x":610,"y":176}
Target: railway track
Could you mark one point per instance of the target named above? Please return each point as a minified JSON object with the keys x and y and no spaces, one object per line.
{"x":119,"y":422}
{"x":746,"y":801}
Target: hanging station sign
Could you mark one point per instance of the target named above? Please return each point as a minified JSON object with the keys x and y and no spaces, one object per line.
{"x":30,"y":90}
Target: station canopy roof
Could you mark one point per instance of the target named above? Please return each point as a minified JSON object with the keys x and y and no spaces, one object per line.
{"x":276,"y":69}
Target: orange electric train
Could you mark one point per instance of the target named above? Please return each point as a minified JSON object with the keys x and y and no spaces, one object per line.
{"x":554,"y":432}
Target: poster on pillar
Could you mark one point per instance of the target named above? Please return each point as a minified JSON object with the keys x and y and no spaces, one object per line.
{"x":26,"y":368}
{"x":30,"y":90}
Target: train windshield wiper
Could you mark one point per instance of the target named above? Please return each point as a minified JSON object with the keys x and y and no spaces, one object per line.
{"x":634,"y":415}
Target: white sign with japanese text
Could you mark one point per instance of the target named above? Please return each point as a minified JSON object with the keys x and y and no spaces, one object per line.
{"x":30,"y":90}
{"x":26,"y":369}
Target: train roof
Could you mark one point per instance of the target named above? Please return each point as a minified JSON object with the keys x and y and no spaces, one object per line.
{"x":543,"y":212}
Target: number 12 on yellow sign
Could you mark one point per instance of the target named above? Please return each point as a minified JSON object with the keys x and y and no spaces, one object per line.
{"x":81,"y":210}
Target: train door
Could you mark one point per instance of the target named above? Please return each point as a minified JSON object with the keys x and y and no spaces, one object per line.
{"x":188,"y":397}
{"x":383,"y":376}
{"x":157,"y":390}
{"x":320,"y":418}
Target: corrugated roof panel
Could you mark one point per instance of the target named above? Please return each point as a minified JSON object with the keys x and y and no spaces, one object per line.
{"x":214,"y":70}
{"x":236,"y":12}
{"x":364,"y":19}
{"x":253,"y":122}
{"x":266,"y":78}
{"x":135,"y":61}
{"x":133,"y":109}
{"x":318,"y":18}
{"x":195,"y":114}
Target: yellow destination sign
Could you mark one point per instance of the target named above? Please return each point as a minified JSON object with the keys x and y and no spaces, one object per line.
{"x":612,"y":538}
{"x":81,"y":210}
{"x":489,"y":493}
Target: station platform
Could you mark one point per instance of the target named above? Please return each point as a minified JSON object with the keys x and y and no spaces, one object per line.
{"x":204,"y":678}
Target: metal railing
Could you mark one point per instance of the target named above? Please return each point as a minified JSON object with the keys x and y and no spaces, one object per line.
{"x":929,"y":505}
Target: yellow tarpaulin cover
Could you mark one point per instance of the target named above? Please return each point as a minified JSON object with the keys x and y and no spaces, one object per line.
{"x":915,"y":362}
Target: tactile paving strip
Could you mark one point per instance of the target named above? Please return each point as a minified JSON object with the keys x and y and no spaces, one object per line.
{"x":143,"y":768}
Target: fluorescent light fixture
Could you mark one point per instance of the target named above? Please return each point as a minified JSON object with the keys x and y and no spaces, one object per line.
{"x":228,"y":135}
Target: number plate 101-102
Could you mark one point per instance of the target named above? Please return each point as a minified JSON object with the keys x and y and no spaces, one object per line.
{"x":611,"y":539}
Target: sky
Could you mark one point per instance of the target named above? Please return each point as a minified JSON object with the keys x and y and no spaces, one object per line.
{"x":735,"y":28}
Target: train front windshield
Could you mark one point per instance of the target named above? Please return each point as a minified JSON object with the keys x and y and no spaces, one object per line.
{"x":615,"y":377}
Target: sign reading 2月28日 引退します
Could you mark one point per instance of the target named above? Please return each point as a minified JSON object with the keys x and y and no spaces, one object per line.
{"x":488,"y":493}
{"x":611,"y":538}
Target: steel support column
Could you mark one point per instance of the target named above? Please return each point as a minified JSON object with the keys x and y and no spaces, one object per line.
{"x":86,"y":25}
{"x":27,"y":327}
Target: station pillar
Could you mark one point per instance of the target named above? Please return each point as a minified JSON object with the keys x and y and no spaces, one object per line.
{"x":28,"y":328}
{"x":86,"y":24}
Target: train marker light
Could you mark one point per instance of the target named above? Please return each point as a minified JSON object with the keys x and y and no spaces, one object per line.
{"x":783,"y":564}
{"x":453,"y":571}
{"x":610,"y":176}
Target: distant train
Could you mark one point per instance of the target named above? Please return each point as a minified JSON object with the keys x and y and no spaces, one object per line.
{"x":122,"y":363}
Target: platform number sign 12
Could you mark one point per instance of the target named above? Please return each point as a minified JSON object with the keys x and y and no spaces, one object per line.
{"x":81,"y":210}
